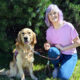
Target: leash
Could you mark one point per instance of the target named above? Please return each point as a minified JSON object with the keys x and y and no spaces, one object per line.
{"x":37,"y":53}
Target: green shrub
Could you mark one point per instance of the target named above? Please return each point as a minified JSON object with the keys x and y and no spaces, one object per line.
{"x":17,"y":14}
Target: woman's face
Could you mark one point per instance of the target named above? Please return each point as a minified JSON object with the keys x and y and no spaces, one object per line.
{"x":53,"y":16}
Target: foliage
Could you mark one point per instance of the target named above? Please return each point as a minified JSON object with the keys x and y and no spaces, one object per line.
{"x":17,"y":14}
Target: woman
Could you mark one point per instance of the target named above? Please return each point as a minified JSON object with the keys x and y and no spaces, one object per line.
{"x":62,"y":40}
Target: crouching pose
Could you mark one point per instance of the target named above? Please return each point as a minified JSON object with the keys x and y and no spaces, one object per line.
{"x":62,"y":40}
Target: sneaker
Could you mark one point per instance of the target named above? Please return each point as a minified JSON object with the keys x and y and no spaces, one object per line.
{"x":55,"y":73}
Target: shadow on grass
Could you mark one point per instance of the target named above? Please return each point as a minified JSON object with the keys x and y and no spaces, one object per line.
{"x":42,"y":73}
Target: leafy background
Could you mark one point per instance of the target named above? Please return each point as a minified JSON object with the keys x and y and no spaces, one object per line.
{"x":17,"y":14}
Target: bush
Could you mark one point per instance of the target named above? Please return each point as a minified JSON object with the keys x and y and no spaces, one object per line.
{"x":17,"y":14}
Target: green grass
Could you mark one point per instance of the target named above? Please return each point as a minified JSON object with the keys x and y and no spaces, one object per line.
{"x":39,"y":69}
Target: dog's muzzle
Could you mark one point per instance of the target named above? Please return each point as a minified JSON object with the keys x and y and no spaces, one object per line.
{"x":25,"y":39}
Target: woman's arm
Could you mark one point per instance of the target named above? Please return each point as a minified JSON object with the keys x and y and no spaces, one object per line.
{"x":74,"y":45}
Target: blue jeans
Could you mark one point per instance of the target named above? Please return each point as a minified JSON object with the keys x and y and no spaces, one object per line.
{"x":67,"y":63}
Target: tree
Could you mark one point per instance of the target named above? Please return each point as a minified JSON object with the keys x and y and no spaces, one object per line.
{"x":17,"y":14}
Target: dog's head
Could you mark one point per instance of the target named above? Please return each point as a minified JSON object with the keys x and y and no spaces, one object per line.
{"x":26,"y":36}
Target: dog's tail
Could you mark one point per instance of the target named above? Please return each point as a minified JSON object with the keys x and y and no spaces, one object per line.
{"x":3,"y":71}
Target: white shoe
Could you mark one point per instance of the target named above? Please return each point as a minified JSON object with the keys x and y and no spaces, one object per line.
{"x":55,"y":73}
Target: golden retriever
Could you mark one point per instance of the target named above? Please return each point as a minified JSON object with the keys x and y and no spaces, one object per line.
{"x":25,"y":43}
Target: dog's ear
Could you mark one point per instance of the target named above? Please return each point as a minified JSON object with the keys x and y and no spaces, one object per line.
{"x":34,"y":39}
{"x":19,"y":37}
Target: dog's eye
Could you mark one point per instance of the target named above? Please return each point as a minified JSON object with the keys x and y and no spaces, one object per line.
{"x":23,"y":33}
{"x":29,"y":33}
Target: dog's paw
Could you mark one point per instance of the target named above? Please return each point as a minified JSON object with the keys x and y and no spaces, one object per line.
{"x":35,"y":78}
{"x":23,"y":78}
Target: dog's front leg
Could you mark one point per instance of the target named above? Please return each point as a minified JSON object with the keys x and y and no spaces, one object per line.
{"x":31,"y":72}
{"x":21,"y":72}
{"x":20,"y":69}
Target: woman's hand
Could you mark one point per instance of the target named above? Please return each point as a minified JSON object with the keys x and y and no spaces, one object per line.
{"x":46,"y":46}
{"x":59,"y":47}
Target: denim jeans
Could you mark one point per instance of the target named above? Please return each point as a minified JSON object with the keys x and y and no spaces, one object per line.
{"x":66,"y":63}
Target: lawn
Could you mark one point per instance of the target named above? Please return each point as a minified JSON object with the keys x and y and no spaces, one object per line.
{"x":39,"y":69}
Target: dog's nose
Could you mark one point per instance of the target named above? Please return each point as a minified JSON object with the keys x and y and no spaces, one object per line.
{"x":25,"y":38}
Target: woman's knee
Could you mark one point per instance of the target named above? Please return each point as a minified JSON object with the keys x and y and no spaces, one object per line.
{"x":53,"y":52}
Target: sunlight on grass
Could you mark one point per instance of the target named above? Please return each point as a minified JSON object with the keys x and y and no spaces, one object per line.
{"x":75,"y":76}
{"x":39,"y":70}
{"x":49,"y":79}
{"x":38,"y":67}
{"x":76,"y":73}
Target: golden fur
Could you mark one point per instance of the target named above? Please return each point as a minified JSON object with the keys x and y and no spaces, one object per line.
{"x":25,"y":43}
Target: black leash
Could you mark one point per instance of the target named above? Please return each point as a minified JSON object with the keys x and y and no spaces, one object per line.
{"x":37,"y":53}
